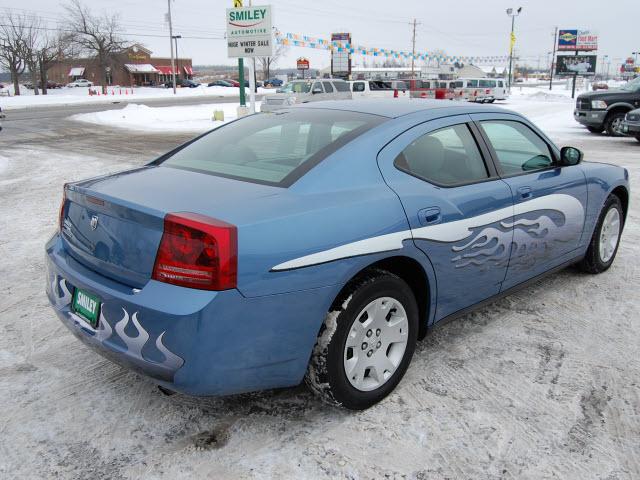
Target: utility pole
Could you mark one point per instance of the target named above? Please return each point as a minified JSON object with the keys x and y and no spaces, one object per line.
{"x":553,"y":57}
{"x":173,"y":63}
{"x":175,"y":38}
{"x":413,"y":48}
{"x":512,"y":40}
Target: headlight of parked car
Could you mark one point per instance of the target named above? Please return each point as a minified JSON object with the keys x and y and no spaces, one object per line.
{"x":598,"y":105}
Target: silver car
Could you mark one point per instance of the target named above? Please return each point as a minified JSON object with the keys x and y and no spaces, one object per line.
{"x":304,"y":91}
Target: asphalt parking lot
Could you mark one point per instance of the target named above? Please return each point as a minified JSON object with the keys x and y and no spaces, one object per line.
{"x":544,"y":383}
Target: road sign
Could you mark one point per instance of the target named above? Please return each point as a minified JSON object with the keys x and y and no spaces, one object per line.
{"x":577,"y":40}
{"x":249,"y":32}
{"x":576,"y":65}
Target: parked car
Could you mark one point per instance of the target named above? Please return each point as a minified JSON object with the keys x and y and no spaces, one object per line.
{"x":378,"y":89}
{"x":631,"y":124}
{"x":304,"y":91}
{"x":600,"y":86}
{"x":219,"y":83}
{"x":183,"y":83}
{"x":4,"y":90}
{"x":322,"y":242}
{"x":81,"y":82}
{"x":274,"y":82}
{"x":481,"y":90}
{"x":234,"y":83}
{"x":605,"y":111}
{"x":1,"y":117}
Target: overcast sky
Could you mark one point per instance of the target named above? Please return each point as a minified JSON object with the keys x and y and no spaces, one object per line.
{"x":459,"y":27}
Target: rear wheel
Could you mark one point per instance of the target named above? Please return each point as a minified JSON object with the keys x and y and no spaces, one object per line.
{"x":596,"y":129}
{"x":613,"y":124}
{"x":606,"y":237}
{"x":366,"y":342}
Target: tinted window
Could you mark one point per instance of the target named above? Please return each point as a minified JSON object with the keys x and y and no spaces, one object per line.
{"x":487,"y":83}
{"x":341,"y":86}
{"x":500,"y":84}
{"x":358,"y":87}
{"x":447,"y":156}
{"x":378,"y":85}
{"x":317,"y":87}
{"x":272,"y":148}
{"x":518,"y":148}
{"x":401,"y":86}
{"x":472,"y":83}
{"x":327,"y":87}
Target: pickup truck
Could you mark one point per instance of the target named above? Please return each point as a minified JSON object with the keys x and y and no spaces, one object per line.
{"x":604,"y":111}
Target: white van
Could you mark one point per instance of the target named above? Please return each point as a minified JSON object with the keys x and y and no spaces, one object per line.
{"x":378,"y":88}
{"x":484,"y":90}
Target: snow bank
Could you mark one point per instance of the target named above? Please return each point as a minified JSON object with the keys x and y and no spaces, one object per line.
{"x":80,"y":95}
{"x":192,"y":118}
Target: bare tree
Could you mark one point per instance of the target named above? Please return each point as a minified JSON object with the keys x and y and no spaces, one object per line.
{"x":30,"y":40}
{"x":52,"y":49}
{"x":98,"y":35}
{"x":12,"y":33}
{"x":267,"y":62}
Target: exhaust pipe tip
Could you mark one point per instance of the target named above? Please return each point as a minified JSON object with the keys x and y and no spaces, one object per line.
{"x":165,"y":391}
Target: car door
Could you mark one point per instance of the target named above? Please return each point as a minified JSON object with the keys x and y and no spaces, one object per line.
{"x":454,"y":203}
{"x":549,"y":200}
{"x":317,"y":92}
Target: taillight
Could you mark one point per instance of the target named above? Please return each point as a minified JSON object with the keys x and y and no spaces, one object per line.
{"x":197,"y":251}
{"x":61,"y":213}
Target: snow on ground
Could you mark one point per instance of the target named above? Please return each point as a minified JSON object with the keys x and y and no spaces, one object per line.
{"x":196,"y":118}
{"x":80,"y":95}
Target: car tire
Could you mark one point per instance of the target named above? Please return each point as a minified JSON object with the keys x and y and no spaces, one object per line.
{"x":348,"y":321}
{"x":611,"y":123}
{"x":596,"y":129}
{"x":604,"y":243}
{"x":638,"y":138}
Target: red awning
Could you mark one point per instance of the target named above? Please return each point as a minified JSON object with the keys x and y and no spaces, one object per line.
{"x":188,"y":70}
{"x":164,"y":69}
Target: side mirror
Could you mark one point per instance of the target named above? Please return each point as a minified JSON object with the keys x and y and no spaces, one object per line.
{"x":316,"y":90}
{"x":570,"y":156}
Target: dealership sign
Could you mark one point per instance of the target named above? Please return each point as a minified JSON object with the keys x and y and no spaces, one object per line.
{"x":576,"y":65}
{"x":577,"y":40}
{"x":302,"y":64}
{"x":249,"y":32}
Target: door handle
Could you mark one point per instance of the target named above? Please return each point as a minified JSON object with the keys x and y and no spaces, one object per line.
{"x":428,"y":216}
{"x":525,"y":192}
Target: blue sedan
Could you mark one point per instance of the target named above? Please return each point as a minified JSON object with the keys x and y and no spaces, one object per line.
{"x":321,"y":242}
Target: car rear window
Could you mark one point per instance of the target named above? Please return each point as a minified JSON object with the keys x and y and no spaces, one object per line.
{"x":272,"y":148}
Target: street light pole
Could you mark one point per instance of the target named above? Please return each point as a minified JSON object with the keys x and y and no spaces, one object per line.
{"x":173,"y":63}
{"x":512,"y":41}
{"x":175,"y":39}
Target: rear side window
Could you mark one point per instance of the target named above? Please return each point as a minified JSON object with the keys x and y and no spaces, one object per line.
{"x":341,"y":86}
{"x":518,"y":148}
{"x":472,"y":83}
{"x":328,"y":87}
{"x":272,"y":149}
{"x":358,"y":87}
{"x":500,"y":84}
{"x":448,"y":156}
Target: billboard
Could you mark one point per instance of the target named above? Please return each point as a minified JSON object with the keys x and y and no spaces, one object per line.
{"x":576,"y":64}
{"x":577,"y":40}
{"x":341,"y":60}
{"x":249,"y":32}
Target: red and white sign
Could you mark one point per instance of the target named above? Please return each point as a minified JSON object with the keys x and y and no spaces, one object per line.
{"x":303,"y":64}
{"x":587,"y":40}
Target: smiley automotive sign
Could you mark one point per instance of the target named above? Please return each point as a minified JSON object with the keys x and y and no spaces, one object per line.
{"x":249,"y":32}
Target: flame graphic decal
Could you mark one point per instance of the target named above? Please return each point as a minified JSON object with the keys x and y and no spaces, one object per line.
{"x":134,"y":344}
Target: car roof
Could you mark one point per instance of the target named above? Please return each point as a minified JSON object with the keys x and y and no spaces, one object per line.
{"x":394,"y":108}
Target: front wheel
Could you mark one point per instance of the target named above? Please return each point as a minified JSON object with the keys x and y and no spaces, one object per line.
{"x":613,"y":124}
{"x":366,"y":342}
{"x":606,"y":237}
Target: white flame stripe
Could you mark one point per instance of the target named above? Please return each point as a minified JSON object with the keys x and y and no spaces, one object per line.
{"x":134,"y":344}
{"x":568,"y":205}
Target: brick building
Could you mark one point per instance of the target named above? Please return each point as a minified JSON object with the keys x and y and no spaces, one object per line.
{"x":133,"y":66}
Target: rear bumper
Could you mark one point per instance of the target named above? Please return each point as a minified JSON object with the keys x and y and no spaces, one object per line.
{"x":590,"y":118}
{"x":192,"y":341}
